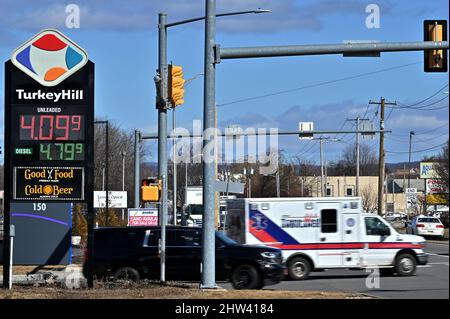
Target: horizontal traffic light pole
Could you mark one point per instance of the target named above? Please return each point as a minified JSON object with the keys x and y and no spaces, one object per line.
{"x":320,"y":49}
{"x":154,"y":136}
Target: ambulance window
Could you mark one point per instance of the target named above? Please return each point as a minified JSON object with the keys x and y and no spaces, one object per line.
{"x":328,"y":218}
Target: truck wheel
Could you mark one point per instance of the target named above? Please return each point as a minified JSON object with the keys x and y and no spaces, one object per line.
{"x":246,"y":277}
{"x":405,"y":265}
{"x":299,"y":268}
{"x":127,"y":273}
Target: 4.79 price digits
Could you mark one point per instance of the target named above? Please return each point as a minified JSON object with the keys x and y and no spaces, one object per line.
{"x":61,"y":151}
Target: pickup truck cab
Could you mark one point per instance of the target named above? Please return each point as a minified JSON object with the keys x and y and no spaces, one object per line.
{"x":134,"y":253}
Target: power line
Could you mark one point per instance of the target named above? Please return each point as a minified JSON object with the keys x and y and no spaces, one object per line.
{"x":419,"y":151}
{"x":421,"y":133}
{"x":422,"y":107}
{"x":317,"y":84}
{"x":431,"y":96}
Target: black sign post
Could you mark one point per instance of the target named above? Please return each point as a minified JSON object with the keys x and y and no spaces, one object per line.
{"x":49,"y":152}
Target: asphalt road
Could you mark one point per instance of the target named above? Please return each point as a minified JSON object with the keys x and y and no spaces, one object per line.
{"x":430,"y":282}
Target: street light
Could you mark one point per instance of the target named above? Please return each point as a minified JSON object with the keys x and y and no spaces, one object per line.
{"x":411,"y":133}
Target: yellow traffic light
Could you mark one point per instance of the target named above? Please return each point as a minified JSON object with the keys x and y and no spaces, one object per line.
{"x":176,"y":85}
{"x":150,"y":190}
{"x":435,"y":60}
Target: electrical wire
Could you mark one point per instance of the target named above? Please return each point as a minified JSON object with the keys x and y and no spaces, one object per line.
{"x":419,"y":151}
{"x":317,"y":84}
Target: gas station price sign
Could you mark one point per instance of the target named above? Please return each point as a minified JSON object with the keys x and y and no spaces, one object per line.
{"x":49,"y":117}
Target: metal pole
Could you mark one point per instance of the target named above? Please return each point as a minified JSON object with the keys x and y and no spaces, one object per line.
{"x":321,"y":49}
{"x":381,"y":161}
{"x":357,"y":157}
{"x":107,"y":173}
{"x":278,"y":182}
{"x":162,"y":118}
{"x":123,"y":179}
{"x":411,"y":133}
{"x":163,"y":235}
{"x":137,"y":167}
{"x":393,"y":192}
{"x":174,"y":171}
{"x":208,"y":279}
{"x":321,"y":168}
{"x":103,"y":178}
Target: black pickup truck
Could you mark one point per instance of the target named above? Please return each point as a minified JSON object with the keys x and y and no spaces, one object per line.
{"x":133,"y":253}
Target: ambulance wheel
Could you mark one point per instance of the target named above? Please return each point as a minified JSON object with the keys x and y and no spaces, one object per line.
{"x":405,"y":265}
{"x":299,"y":268}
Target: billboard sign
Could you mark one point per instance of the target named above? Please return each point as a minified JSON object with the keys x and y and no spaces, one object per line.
{"x":142,"y":217}
{"x":436,"y":186}
{"x":437,"y":199}
{"x":48,"y":183}
{"x":117,"y":199}
{"x":427,"y":170}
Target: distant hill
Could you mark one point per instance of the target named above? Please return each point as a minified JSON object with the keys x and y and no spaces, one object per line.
{"x":394,"y":166}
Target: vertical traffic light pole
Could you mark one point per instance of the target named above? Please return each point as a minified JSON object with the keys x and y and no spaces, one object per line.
{"x":162,"y":134}
{"x":208,"y":240}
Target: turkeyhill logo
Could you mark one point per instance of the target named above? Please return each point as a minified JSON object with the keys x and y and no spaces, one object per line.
{"x":49,"y":57}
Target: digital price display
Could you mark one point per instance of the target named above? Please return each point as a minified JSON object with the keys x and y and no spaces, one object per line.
{"x":59,"y":134}
{"x":61,"y":151}
{"x":50,"y":127}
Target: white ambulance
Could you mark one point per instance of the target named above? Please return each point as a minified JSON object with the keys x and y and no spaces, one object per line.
{"x":321,"y":233}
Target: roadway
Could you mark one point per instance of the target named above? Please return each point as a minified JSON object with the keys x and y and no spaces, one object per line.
{"x":430,"y":282}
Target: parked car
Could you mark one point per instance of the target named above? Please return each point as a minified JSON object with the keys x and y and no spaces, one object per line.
{"x":390,"y":216}
{"x":133,"y":253}
{"x":426,"y":226}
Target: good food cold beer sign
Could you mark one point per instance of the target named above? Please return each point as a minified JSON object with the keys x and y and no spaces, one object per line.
{"x":49,"y":116}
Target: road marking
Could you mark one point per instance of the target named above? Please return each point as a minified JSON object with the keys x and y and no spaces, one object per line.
{"x":438,"y":264}
{"x":425,"y":266}
{"x":437,"y":255}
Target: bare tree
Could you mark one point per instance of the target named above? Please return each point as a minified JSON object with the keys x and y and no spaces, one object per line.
{"x":346,"y":166}
{"x":369,"y":199}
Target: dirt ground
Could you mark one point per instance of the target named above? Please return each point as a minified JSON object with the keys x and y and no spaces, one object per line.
{"x":151,"y":290}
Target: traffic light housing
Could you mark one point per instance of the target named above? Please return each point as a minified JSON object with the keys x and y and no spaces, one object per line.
{"x":150,"y":189}
{"x":176,"y":85}
{"x":435,"y":60}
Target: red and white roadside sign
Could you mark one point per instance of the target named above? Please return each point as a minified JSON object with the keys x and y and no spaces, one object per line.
{"x":436,"y":186}
{"x":142,"y":217}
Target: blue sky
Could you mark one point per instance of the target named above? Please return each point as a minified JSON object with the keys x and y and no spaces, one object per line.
{"x":121,"y":39}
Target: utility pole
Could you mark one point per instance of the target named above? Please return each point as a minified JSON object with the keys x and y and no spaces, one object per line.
{"x":357,"y":120}
{"x":411,"y":133}
{"x":321,"y":167}
{"x":381,"y":168}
